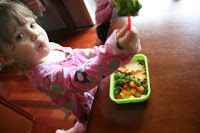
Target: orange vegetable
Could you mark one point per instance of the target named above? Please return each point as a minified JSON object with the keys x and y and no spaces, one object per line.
{"x":133,"y":91}
{"x":122,"y":94}
{"x":140,"y":90}
{"x":125,"y":90}
{"x":125,"y":86}
{"x":132,"y":84}
{"x":124,"y":81}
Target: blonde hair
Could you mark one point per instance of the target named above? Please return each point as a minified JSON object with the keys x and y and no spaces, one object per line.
{"x":11,"y":14}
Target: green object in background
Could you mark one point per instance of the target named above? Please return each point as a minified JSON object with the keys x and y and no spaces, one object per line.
{"x":127,"y":7}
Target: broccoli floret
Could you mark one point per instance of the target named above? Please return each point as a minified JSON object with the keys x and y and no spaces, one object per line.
{"x":137,"y":83}
{"x":145,"y":91}
{"x":116,"y":90}
{"x":127,"y":7}
{"x":119,"y":82}
{"x":128,"y":79}
{"x":119,"y":75}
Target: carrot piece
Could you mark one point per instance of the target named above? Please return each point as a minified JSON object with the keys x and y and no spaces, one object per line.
{"x":122,"y":93}
{"x":125,"y":90}
{"x":132,"y":84}
{"x":133,"y":91}
{"x":140,"y":90}
{"x":125,"y":86}
{"x":124,"y":81}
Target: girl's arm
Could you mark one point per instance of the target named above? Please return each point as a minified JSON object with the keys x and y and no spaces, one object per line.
{"x":109,"y":58}
{"x":88,"y":71}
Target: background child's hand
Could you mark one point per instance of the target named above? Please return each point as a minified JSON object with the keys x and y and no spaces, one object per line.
{"x":129,"y":39}
{"x":111,"y":2}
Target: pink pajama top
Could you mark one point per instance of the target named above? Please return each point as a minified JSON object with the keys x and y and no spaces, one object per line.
{"x":103,"y":12}
{"x":72,"y":83}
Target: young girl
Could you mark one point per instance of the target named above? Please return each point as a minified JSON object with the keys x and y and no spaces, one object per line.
{"x":68,"y":76}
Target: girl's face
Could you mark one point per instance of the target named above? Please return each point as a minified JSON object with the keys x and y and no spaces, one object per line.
{"x":31,"y":44}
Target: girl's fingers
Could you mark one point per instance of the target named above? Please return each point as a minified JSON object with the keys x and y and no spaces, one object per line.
{"x":139,"y":46}
{"x":128,"y":39}
{"x":122,"y":32}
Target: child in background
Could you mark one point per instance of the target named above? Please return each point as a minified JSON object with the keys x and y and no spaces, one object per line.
{"x":103,"y":14}
{"x":69,"y":77}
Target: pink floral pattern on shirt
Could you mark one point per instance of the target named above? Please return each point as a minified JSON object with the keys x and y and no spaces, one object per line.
{"x":72,"y":83}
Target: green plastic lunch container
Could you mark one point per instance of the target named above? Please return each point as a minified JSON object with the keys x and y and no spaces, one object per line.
{"x":138,"y":57}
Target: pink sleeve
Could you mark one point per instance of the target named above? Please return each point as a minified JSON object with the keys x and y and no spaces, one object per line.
{"x":93,"y":71}
{"x":103,"y":12}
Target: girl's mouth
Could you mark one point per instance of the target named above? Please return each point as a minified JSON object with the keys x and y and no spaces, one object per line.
{"x":42,"y":44}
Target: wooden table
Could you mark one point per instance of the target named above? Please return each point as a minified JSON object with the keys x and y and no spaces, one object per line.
{"x":170,"y":37}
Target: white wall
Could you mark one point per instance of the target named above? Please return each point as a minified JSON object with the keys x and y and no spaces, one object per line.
{"x":90,"y":4}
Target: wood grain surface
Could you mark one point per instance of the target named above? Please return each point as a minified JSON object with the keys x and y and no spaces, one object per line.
{"x":170,"y":38}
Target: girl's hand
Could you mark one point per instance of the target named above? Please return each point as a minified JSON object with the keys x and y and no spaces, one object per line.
{"x":128,"y":39}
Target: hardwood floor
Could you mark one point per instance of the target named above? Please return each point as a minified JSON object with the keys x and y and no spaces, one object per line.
{"x":15,"y":87}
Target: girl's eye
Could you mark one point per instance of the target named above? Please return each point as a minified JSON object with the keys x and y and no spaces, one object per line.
{"x":19,"y":37}
{"x":32,"y":25}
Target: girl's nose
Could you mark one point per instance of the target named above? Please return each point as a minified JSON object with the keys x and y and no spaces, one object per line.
{"x":34,"y":35}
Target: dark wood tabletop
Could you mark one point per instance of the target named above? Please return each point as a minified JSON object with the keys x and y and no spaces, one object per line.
{"x":170,"y":38}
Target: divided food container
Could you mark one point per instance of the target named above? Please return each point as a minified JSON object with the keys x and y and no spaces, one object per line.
{"x":137,"y":57}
